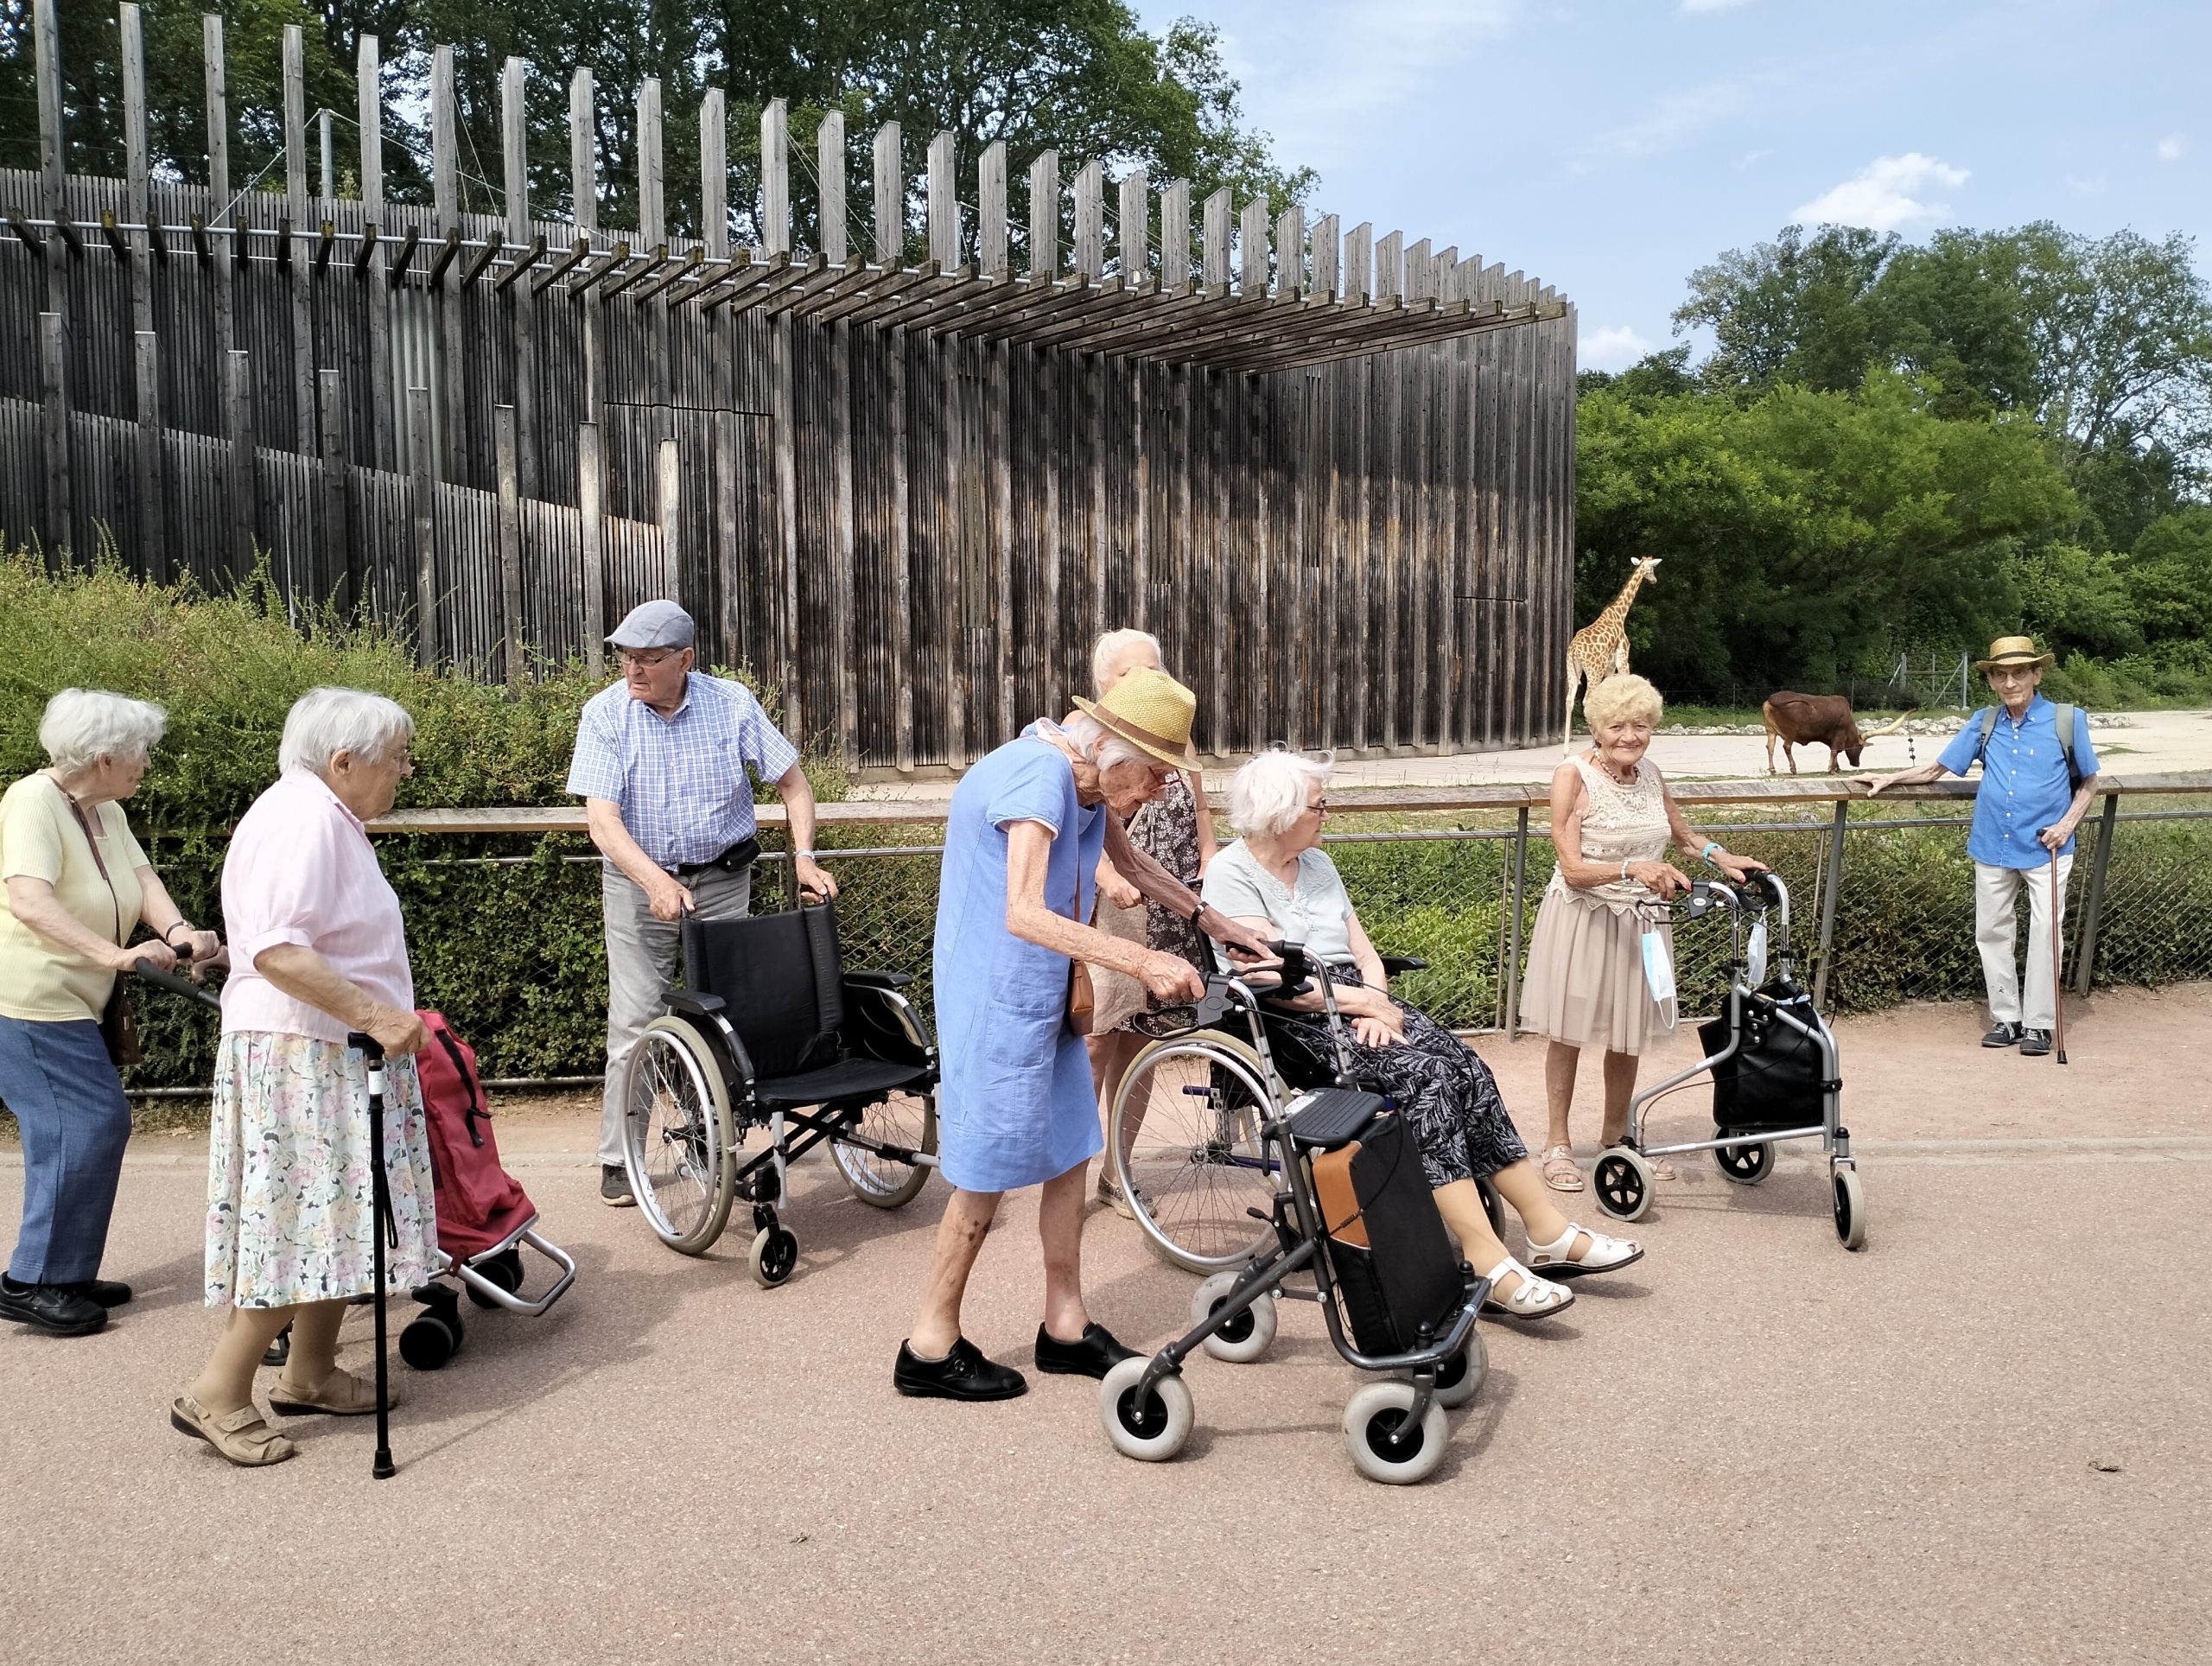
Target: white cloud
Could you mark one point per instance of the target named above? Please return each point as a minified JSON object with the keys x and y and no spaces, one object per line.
{"x":2171,"y":146}
{"x":1712,"y":5}
{"x":1674,"y":118}
{"x":1615,"y":347}
{"x":1888,"y":193}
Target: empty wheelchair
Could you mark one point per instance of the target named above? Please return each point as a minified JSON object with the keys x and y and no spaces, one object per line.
{"x":1184,"y":1133}
{"x":770,"y":1034}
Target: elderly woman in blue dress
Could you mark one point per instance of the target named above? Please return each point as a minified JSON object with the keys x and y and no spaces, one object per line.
{"x":1022,"y":844}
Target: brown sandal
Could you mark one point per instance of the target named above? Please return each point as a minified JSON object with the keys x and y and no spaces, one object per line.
{"x":1559,"y":1170}
{"x":341,"y":1394}
{"x":243,"y":1436}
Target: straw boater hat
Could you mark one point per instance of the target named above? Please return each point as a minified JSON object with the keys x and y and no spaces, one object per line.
{"x":1152,"y":712}
{"x":2013,"y":650}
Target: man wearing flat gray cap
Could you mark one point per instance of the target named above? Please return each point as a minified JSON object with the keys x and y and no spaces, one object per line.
{"x":660,"y":764}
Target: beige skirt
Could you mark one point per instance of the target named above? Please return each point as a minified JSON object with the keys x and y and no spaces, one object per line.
{"x":1585,"y":983}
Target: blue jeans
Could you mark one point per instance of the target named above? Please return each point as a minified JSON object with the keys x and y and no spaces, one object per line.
{"x":67,"y":1098}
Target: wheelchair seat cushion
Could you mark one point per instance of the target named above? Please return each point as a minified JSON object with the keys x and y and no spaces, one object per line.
{"x":847,"y":1079}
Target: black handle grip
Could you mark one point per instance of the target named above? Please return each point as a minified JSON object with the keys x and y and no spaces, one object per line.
{"x":176,"y":985}
{"x":371,"y":1048}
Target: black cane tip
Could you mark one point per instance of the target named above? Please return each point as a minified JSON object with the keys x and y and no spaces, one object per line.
{"x":383,"y":1469}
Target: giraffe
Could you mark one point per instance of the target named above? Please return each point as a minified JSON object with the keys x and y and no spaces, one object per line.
{"x":1599,"y":649}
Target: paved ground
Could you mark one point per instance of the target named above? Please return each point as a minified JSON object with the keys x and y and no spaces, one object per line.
{"x":2154,"y":742}
{"x":1987,"y":1437}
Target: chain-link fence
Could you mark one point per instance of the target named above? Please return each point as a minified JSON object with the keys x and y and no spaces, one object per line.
{"x":505,"y":932}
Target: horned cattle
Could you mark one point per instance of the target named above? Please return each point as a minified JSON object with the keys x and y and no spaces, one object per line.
{"x":1798,"y":720}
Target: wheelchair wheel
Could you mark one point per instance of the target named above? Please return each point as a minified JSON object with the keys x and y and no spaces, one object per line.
{"x":1382,"y":1447}
{"x":1185,"y":1148}
{"x":1153,"y":1432}
{"x":904,"y":1119}
{"x":1746,"y":1164}
{"x":677,"y":1135}
{"x":1246,"y":1337}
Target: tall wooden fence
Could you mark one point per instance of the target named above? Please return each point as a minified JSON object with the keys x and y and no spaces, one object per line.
{"x":1334,"y":474}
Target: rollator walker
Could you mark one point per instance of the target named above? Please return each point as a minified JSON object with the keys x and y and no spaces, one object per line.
{"x":1776,"y":1074}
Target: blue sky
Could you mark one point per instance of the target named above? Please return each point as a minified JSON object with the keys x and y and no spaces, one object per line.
{"x":1610,"y":146}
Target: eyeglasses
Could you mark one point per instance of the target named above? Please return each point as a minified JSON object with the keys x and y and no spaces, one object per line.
{"x":633,"y":660}
{"x":1318,"y":807}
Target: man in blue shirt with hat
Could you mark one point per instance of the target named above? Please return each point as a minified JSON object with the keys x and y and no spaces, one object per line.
{"x":660,"y":764}
{"x":2038,"y":774}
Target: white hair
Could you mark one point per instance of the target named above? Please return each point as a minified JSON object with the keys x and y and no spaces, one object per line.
{"x":324,"y":723}
{"x":1111,"y":648}
{"x":1268,"y":793}
{"x":1101,"y":745}
{"x":82,"y":726}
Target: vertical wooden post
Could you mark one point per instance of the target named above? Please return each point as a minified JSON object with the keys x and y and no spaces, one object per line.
{"x":514,"y":156}
{"x":830,"y":185}
{"x":1418,"y":276}
{"x":146,"y":478}
{"x":344,"y":590}
{"x":991,"y":210}
{"x":1253,"y":238}
{"x":1290,"y":253}
{"x":445,"y":191}
{"x":714,"y":175}
{"x":505,"y":460}
{"x":844,"y":556}
{"x":296,"y":206}
{"x":591,"y":472}
{"x":1213,"y":252}
{"x":369,"y":96}
{"x":943,"y":208}
{"x":1359,"y":265}
{"x":1328,"y":253}
{"x":238,"y":423}
{"x":1090,"y":220}
{"x":583,"y":209}
{"x":1175,"y":237}
{"x":1363,"y":615}
{"x":783,"y":406}
{"x":1136,"y":226}
{"x":423,"y":498}
{"x":902,"y":554}
{"x":1390,"y":267}
{"x":775,"y":178}
{"x":890,"y":212}
{"x":1001,"y":444}
{"x":652,"y":217}
{"x":46,"y":56}
{"x":136,"y":196}
{"x":668,"y":506}
{"x":1045,"y":216}
{"x":1053,"y":450}
{"x":952,"y":546}
{"x":219,"y":174}
{"x":53,"y":427}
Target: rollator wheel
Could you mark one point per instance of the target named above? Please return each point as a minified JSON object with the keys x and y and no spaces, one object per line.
{"x":775,"y":1255}
{"x":504,"y":1270}
{"x":676,"y":1135}
{"x":1746,"y":1164}
{"x":1243,"y":1338}
{"x":1185,"y":1149}
{"x":1621,"y":1182}
{"x":1850,"y":1207}
{"x":904,"y":1119}
{"x":1151,"y":1433}
{"x":1382,"y":1447}
{"x":1459,"y":1378}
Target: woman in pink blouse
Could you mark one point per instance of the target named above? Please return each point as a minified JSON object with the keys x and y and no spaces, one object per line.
{"x":319,"y":951}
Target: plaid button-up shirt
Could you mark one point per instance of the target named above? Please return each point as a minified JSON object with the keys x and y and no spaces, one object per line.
{"x":679,"y":781}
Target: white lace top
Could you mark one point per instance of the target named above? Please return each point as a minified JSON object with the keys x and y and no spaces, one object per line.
{"x":1619,"y":824}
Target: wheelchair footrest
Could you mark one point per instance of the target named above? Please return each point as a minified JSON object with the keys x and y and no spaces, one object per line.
{"x":1326,"y":1119}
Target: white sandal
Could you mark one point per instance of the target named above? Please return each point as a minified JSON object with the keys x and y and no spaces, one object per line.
{"x":1558,"y":1169}
{"x":1533,"y":1298}
{"x":1602,"y":1255}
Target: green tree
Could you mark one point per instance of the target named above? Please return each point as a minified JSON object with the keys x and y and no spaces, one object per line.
{"x":1799,"y":309}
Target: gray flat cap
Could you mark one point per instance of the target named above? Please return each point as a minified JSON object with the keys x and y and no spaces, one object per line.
{"x":654,"y":625}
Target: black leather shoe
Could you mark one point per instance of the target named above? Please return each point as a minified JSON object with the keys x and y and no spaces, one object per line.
{"x":109,"y":1293}
{"x":1094,"y":1355}
{"x":2001,"y":1035}
{"x":2034,"y":1043}
{"x":963,"y":1374}
{"x":50,"y":1307}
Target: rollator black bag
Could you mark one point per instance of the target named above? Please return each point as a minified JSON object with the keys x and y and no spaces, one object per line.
{"x":1386,"y":1243}
{"x":1774,"y":1080}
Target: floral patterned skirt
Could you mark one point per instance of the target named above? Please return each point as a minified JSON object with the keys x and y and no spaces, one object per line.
{"x":290,"y":1211}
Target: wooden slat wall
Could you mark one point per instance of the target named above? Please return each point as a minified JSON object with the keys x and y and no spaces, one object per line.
{"x":1373,"y":552}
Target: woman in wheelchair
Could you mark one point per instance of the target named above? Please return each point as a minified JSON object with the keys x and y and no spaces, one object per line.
{"x":1275,"y":879}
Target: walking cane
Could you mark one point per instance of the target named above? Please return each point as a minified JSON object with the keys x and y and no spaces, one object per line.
{"x":2057,"y":991}
{"x":381,"y":1466}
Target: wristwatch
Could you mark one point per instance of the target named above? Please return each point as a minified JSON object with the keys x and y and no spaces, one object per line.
{"x":802,"y":856}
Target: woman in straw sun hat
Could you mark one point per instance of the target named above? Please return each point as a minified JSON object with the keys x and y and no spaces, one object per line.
{"x":2038,"y":774}
{"x":1022,"y":843}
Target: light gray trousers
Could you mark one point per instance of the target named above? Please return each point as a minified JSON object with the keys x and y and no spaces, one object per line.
{"x":641,"y":965}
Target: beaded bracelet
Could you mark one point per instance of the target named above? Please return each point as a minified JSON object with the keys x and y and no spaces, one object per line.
{"x":1706,"y":854}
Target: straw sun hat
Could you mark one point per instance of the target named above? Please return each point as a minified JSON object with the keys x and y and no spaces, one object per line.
{"x":1152,"y":712}
{"x":2013,"y":650}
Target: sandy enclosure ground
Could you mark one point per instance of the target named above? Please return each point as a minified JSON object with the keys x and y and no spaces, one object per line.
{"x":1985,"y":1437}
